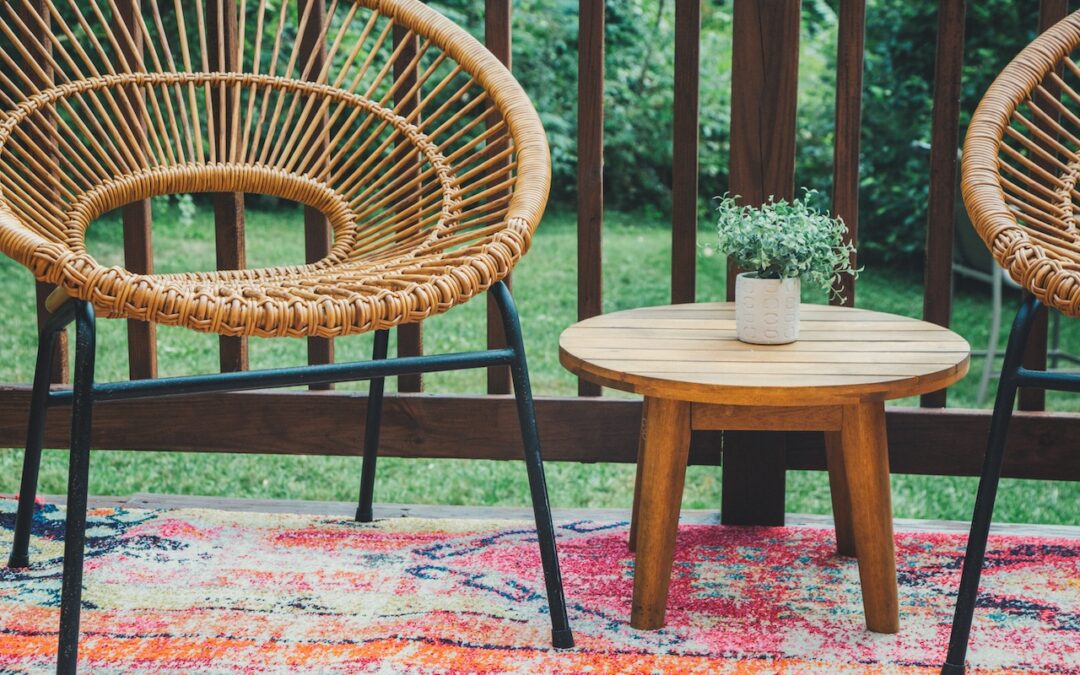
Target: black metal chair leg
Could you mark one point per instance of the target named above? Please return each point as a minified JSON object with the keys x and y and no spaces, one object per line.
{"x":78,"y":477}
{"x":39,"y":399}
{"x":371,"y":432}
{"x":988,"y":483}
{"x":561,"y":635}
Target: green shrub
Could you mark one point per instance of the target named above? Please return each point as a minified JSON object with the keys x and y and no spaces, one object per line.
{"x":897,"y":100}
{"x":898,"y":90}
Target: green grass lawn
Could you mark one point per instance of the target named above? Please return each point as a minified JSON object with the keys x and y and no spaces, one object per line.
{"x":636,"y":273}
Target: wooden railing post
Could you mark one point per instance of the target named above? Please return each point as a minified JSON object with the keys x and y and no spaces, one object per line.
{"x":851,"y":32}
{"x":317,"y":233}
{"x":47,"y":128}
{"x":684,"y":151}
{"x":590,"y":168}
{"x":764,"y":79}
{"x":137,"y":216}
{"x":948,"y":67}
{"x":223,"y":47}
{"x":764,"y":88}
{"x":498,"y":39}
{"x":410,"y":336}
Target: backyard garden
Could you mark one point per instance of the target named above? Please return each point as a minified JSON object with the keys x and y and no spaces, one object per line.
{"x":636,"y":264}
{"x":271,"y":194}
{"x":637,"y":254}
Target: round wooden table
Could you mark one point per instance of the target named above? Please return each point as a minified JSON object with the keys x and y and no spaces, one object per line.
{"x":836,"y":378}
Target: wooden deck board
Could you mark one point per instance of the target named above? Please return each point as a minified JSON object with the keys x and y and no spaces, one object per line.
{"x":147,"y":500}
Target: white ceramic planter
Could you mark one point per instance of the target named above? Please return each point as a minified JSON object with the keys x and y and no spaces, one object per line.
{"x":766,"y":310}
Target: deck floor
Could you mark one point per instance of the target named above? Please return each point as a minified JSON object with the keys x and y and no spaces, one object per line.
{"x":148,"y":500}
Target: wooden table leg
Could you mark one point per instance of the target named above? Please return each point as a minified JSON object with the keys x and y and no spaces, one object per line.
{"x":841,"y":499}
{"x":662,"y":465}
{"x":637,"y":483}
{"x":866,"y":462}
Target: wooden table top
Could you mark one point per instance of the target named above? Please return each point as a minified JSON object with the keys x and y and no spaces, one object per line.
{"x":690,"y":353}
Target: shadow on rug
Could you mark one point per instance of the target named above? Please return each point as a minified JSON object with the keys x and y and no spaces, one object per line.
{"x":209,"y":591}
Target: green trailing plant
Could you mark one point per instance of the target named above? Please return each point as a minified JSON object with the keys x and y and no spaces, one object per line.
{"x":783,"y":239}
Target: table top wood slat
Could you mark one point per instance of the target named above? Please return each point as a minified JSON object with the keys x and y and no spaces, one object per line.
{"x":709,"y":368}
{"x":830,"y":328}
{"x":703,"y":353}
{"x":806,"y":333}
{"x":689,"y":352}
{"x":720,"y":344}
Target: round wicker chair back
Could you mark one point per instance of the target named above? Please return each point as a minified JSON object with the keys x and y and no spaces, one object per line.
{"x":420,"y":148}
{"x":1021,"y":165}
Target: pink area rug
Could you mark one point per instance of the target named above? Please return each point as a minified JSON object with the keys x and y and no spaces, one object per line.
{"x":216,"y":592}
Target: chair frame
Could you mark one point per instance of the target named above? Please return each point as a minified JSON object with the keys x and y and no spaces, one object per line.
{"x":1013,"y":376}
{"x":966,"y":264}
{"x":427,"y":162}
{"x":1018,"y":182}
{"x":997,"y":278}
{"x":85,"y":393}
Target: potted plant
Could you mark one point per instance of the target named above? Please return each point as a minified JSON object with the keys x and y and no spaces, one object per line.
{"x":779,"y":244}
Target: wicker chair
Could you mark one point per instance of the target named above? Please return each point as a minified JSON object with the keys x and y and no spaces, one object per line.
{"x":421,"y":150}
{"x":1020,"y":169}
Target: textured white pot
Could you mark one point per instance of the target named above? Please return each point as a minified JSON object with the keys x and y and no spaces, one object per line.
{"x":766,"y":310}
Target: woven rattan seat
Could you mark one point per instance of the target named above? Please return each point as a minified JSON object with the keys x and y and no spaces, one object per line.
{"x":1021,"y":166}
{"x":409,"y":164}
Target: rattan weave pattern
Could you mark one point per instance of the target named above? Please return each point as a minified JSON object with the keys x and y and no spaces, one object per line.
{"x":1020,"y":168}
{"x":432,"y":168}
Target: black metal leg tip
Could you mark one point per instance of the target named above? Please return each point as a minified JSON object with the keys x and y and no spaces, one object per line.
{"x":952,"y":669}
{"x":364,"y":515}
{"x":18,"y":562}
{"x":562,"y":639}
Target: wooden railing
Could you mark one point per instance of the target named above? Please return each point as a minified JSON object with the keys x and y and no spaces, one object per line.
{"x":927,"y":440}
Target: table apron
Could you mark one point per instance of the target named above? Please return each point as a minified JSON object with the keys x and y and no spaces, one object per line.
{"x":715,"y":416}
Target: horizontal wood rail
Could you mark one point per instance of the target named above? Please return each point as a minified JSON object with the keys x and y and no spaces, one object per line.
{"x":936,"y":442}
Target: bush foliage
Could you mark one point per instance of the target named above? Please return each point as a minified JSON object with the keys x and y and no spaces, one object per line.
{"x":897,"y":100}
{"x":898,"y":103}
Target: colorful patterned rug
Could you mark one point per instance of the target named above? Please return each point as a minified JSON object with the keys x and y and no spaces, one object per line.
{"x":193,"y":591}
